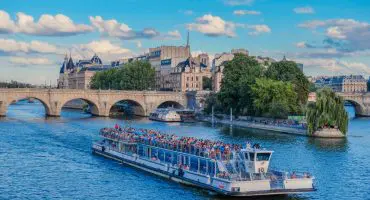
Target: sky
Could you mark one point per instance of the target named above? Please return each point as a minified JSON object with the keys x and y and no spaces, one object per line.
{"x":329,"y":37}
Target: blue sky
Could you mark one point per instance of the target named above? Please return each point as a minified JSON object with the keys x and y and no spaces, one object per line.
{"x":329,"y":37}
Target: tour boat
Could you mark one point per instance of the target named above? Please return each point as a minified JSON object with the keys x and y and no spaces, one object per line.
{"x":172,"y":115}
{"x":225,"y":169}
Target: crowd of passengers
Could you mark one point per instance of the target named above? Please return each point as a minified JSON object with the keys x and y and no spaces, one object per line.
{"x":200,"y":147}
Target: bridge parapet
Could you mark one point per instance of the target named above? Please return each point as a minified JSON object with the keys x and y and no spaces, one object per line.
{"x":100,"y":100}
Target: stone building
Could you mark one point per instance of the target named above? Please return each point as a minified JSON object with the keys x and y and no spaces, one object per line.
{"x":65,"y":70}
{"x":78,"y":76}
{"x":188,"y":75}
{"x":164,"y":59}
{"x":351,"y":83}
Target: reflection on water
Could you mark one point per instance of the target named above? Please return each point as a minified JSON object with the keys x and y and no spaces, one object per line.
{"x":329,"y":144}
{"x":59,"y":164}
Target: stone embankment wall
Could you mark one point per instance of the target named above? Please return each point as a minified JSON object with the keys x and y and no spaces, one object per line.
{"x":246,"y":124}
{"x":328,"y":133}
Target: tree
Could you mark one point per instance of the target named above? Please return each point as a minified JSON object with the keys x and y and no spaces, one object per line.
{"x":137,"y":75}
{"x":274,"y":98}
{"x":207,"y":83}
{"x":212,"y":100}
{"x":327,"y":111}
{"x":289,"y":71}
{"x":239,"y":76}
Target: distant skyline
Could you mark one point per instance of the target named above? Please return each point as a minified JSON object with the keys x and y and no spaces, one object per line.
{"x":329,"y":37}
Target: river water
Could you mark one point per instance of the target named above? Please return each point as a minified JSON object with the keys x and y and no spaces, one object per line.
{"x":50,"y":158}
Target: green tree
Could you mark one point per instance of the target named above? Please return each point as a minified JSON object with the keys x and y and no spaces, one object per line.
{"x":274,"y":98}
{"x":137,"y":75}
{"x":289,"y":71}
{"x":207,"y":83}
{"x":327,"y":111}
{"x":239,"y":76}
{"x":212,"y":101}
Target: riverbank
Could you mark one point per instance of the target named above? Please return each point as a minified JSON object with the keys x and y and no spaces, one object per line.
{"x":331,"y":133}
{"x":247,"y":124}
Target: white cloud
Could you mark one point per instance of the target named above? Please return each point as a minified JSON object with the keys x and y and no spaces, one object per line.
{"x":173,"y":35}
{"x":47,"y":25}
{"x":30,"y":61}
{"x":301,"y":45}
{"x":246,"y":12}
{"x":6,"y":23}
{"x":304,"y":10}
{"x":120,"y":30}
{"x":356,"y":66}
{"x":334,"y":65}
{"x":213,"y":26}
{"x":104,"y":47}
{"x":335,"y":32}
{"x":259,"y":29}
{"x":343,"y":34}
{"x":13,"y":46}
{"x":238,"y":2}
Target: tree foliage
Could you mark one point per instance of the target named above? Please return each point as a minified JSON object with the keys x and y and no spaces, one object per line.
{"x":16,"y":84}
{"x":213,"y":101}
{"x":274,"y":98}
{"x":327,"y":111}
{"x":207,"y":83}
{"x":236,"y":92}
{"x":289,"y":71}
{"x":137,"y":75}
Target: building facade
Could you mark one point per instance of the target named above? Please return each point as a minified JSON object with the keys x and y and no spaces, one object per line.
{"x":78,"y":76}
{"x":351,"y":83}
{"x":188,"y":75}
{"x":164,"y":59}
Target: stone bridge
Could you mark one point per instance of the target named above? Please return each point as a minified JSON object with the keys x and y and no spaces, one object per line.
{"x":100,"y":101}
{"x":361,"y":101}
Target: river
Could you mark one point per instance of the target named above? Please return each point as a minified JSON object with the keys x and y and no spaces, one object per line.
{"x":50,"y":158}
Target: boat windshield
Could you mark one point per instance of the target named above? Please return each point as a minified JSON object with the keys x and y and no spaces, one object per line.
{"x":263,"y":156}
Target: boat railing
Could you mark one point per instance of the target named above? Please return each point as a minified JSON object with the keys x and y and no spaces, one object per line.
{"x":291,"y":174}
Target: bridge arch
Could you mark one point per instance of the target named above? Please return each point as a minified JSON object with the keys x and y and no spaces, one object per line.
{"x":359,"y":108}
{"x":93,"y":105}
{"x":44,"y":102}
{"x":137,"y":107}
{"x":170,"y":103}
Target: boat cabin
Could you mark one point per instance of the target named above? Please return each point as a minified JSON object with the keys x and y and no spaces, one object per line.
{"x":256,"y":160}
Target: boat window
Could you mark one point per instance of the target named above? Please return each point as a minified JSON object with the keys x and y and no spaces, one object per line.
{"x":211,"y":168}
{"x":154,"y":155}
{"x":141,"y":151}
{"x":185,"y":160}
{"x":168,"y":158}
{"x":203,"y":166}
{"x":251,"y":156}
{"x":174,"y":158}
{"x":194,"y":164}
{"x":161,"y":154}
{"x":263,"y":156}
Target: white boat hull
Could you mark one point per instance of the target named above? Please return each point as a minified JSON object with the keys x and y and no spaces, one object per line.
{"x":220,"y":186}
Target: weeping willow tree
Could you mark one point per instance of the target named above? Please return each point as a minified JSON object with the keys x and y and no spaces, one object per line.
{"x":327,"y":111}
